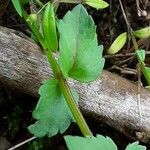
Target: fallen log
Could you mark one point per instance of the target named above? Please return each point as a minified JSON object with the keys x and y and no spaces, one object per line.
{"x":110,"y":99}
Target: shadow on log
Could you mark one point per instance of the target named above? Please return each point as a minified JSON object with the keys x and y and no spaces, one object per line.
{"x":111,"y":99}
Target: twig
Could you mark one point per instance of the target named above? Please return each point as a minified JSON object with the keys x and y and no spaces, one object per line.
{"x":139,"y":92}
{"x":124,"y":14}
{"x":124,"y":55}
{"x":38,"y":2}
{"x":126,"y":60}
{"x":135,"y":45}
{"x":22,"y":143}
{"x":138,"y":8}
{"x":127,"y":23}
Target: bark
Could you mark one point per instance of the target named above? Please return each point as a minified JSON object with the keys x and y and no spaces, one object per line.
{"x":110,"y":99}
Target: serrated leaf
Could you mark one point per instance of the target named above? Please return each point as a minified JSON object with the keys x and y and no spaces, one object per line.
{"x":142,"y":33}
{"x":135,"y":146}
{"x":118,"y":43}
{"x":17,"y":6}
{"x":140,"y":55}
{"x":80,"y":55}
{"x":52,"y":112}
{"x":90,"y":143}
{"x":98,"y":4}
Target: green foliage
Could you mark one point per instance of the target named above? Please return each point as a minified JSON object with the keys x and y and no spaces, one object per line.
{"x":140,"y":55}
{"x":145,"y":70}
{"x":80,"y":55}
{"x":80,"y":58}
{"x":142,"y":33}
{"x":32,"y":21}
{"x":96,"y":143}
{"x":49,"y":27}
{"x":135,"y":146}
{"x":146,"y":73}
{"x":52,"y":112}
{"x":118,"y":43}
{"x":17,"y":6}
{"x":90,"y":143}
{"x":98,"y":4}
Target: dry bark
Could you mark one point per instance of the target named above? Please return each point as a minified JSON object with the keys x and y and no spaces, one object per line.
{"x":110,"y":99}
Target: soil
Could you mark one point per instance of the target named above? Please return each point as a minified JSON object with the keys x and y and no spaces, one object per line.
{"x":16,"y":108}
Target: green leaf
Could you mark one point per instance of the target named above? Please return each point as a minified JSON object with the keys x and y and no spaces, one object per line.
{"x":140,"y":55}
{"x":17,"y":6}
{"x":142,"y":33}
{"x":49,"y":27}
{"x":80,"y":55}
{"x":145,"y":70}
{"x":90,"y":143}
{"x":135,"y":146}
{"x":146,"y":73}
{"x":98,"y":4}
{"x":52,"y":111}
{"x":118,"y":43}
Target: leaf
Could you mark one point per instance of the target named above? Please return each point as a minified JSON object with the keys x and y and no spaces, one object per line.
{"x":52,"y":112}
{"x":49,"y":27}
{"x":146,"y":73}
{"x":17,"y":6}
{"x":140,"y":55}
{"x":98,"y":4}
{"x":118,"y":43}
{"x":90,"y":143}
{"x":80,"y":55}
{"x":142,"y":33}
{"x":145,"y":70}
{"x":135,"y":146}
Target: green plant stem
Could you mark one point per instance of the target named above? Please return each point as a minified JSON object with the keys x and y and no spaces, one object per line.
{"x":62,"y":82}
{"x":74,"y":108}
{"x":53,"y":63}
{"x":68,"y":96}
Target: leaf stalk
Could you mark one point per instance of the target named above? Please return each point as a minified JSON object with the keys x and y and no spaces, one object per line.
{"x":68,"y":96}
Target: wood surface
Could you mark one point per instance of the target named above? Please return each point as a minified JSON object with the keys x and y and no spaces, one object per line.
{"x":110,"y":99}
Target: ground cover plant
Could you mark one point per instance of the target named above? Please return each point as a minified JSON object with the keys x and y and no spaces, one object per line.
{"x":57,"y":106}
